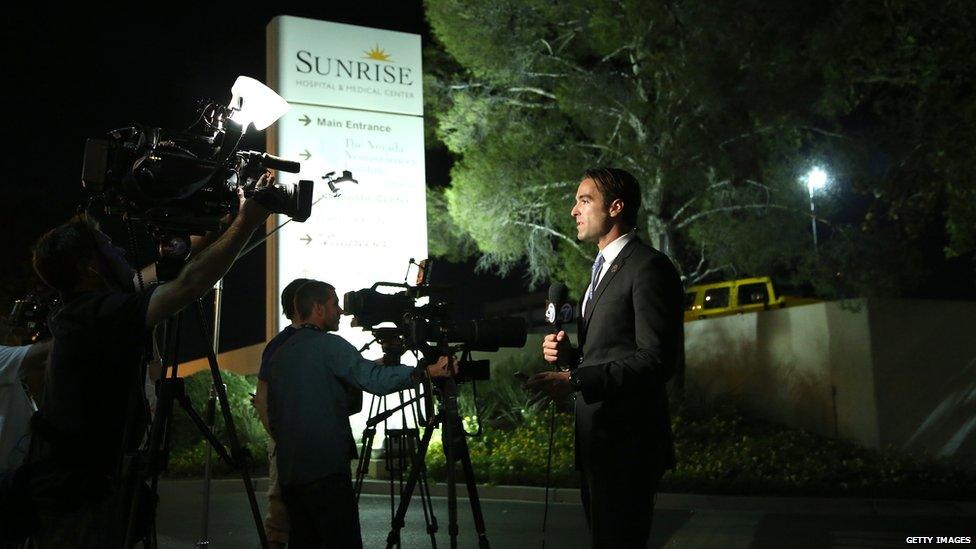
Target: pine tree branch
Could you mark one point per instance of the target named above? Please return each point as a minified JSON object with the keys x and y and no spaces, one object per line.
{"x":824,"y":132}
{"x":537,"y":91}
{"x":695,"y":277}
{"x":468,"y":86}
{"x":706,"y":213}
{"x":553,"y":232}
{"x":524,"y":104}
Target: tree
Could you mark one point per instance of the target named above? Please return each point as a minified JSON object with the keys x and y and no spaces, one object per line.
{"x":904,"y":69}
{"x":717,"y":107}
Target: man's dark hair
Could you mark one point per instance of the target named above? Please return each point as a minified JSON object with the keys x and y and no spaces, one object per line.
{"x":310,"y":293}
{"x":59,"y":254}
{"x":615,"y":183}
{"x":288,"y":296}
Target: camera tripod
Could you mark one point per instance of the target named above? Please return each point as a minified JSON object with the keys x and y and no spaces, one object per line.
{"x":148,"y":463}
{"x":401,"y":445}
{"x":455,"y":449}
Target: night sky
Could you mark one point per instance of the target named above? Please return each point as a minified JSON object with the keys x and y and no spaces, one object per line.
{"x":72,"y":77}
{"x":68,"y":78}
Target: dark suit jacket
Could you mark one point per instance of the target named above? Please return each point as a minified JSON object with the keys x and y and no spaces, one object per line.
{"x":630,"y":342}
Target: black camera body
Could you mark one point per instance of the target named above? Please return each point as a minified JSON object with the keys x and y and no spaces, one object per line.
{"x":186,"y":182}
{"x":430,"y":328}
{"x":30,"y":315}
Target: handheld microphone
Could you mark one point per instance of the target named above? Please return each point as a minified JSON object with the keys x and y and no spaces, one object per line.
{"x":557,"y":298}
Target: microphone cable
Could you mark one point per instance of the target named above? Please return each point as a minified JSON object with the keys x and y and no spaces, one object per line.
{"x":552,"y":432}
{"x":557,"y":297}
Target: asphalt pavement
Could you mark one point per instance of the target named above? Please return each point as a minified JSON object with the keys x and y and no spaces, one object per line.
{"x":514,"y":516}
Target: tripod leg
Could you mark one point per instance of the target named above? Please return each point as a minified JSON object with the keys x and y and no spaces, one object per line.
{"x":479,"y":519}
{"x":210,"y":416}
{"x":392,"y":445}
{"x":426,"y":504}
{"x":456,"y":449}
{"x":136,"y":468}
{"x":235,"y":445}
{"x":450,"y":430}
{"x":364,"y":456}
{"x":366,"y":450}
{"x":157,"y":443}
{"x":398,"y":520}
{"x":204,"y":429}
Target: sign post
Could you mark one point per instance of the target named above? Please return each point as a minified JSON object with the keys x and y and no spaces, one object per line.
{"x":356,"y":104}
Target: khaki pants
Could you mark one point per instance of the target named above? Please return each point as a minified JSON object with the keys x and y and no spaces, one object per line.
{"x":276,"y":523}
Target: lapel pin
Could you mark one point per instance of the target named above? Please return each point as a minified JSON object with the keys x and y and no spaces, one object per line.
{"x":615,"y":267}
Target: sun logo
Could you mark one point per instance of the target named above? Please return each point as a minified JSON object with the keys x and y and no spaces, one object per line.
{"x":377,"y":54}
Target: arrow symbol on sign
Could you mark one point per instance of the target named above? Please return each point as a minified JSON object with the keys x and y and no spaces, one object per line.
{"x":306,"y":155}
{"x":305,"y":119}
{"x":307,"y":239}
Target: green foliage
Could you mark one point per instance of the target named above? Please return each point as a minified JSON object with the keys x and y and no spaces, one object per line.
{"x":187,"y":444}
{"x":719,"y":109}
{"x":501,"y":401}
{"x":720,"y":451}
{"x":503,"y":195}
{"x":444,"y":237}
{"x":905,"y":67}
{"x":516,"y":456}
{"x":855,"y":263}
{"x":190,"y":461}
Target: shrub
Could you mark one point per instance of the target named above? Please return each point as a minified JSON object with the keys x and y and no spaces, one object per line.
{"x":501,"y":401}
{"x":187,"y":444}
{"x":516,"y":455}
{"x":720,"y":451}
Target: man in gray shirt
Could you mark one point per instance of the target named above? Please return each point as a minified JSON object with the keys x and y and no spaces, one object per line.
{"x":308,"y":413}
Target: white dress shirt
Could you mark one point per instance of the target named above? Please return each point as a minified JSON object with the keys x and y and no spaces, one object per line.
{"x":609,"y":253}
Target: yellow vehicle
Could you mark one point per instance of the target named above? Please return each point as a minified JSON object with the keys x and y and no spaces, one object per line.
{"x":735,"y":296}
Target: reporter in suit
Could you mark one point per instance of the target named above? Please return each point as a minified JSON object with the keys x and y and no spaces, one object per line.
{"x":630,"y":339}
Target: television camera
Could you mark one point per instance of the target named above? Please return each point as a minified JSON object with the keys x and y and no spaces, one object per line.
{"x":185,"y":183}
{"x":429,"y":328}
{"x":29,"y":315}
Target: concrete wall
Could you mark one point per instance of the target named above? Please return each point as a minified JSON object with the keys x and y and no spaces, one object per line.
{"x":898,"y":373}
{"x":925,"y":375}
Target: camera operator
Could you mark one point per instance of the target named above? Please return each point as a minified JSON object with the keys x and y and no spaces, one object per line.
{"x":308,"y":415}
{"x":94,"y":409}
{"x":18,"y":365}
{"x":276,"y":520}
{"x":16,"y":406}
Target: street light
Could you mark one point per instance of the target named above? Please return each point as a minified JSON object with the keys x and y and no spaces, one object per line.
{"x":816,"y":180}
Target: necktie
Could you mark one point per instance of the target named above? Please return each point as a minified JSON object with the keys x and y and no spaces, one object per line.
{"x":595,"y":279}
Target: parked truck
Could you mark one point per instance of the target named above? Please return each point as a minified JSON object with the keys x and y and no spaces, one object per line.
{"x":730,"y":297}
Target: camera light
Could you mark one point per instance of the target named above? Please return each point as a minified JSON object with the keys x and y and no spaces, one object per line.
{"x":255,"y":103}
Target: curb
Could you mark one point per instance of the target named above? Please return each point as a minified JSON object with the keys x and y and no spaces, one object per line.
{"x":571,"y":496}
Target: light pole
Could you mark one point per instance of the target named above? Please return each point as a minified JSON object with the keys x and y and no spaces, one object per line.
{"x":816,"y":180}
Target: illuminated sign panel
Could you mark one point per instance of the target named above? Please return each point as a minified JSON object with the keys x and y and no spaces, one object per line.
{"x":323,"y":63}
{"x":356,"y":104}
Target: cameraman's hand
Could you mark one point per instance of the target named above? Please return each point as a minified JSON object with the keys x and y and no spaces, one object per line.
{"x":444,"y":367}
{"x":251,"y":211}
{"x":556,"y":349}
